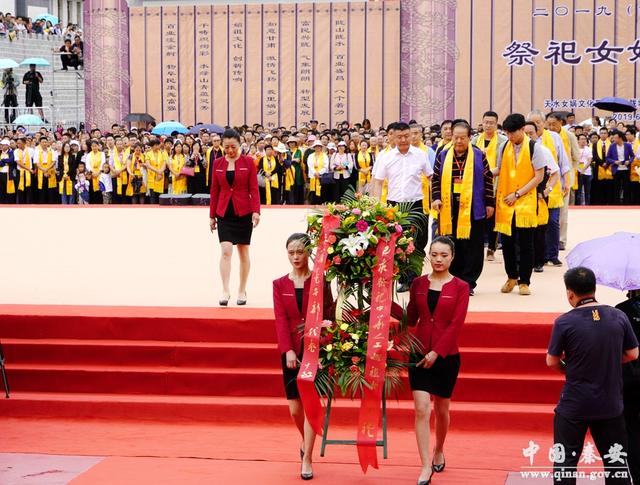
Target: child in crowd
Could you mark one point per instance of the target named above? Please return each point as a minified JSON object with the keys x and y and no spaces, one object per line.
{"x":106,"y":184}
{"x":82,"y":185}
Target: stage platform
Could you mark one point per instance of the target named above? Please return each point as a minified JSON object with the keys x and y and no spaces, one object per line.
{"x":110,"y":326}
{"x":153,"y":256}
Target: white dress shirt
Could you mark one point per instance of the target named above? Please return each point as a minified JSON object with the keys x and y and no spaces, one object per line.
{"x":404,"y":173}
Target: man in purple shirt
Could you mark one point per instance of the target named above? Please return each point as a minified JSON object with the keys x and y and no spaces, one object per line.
{"x":589,"y":344}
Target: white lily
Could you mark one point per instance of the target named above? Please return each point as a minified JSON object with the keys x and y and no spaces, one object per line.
{"x":352,"y":243}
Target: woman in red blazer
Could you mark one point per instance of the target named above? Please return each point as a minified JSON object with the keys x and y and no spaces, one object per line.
{"x":438,"y":303}
{"x":234,"y":210}
{"x":290,"y":297}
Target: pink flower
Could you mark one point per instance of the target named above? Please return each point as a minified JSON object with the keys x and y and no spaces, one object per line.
{"x":354,"y":369}
{"x":356,"y":212}
{"x":362,"y":225}
{"x":398,"y":228}
{"x":337,"y":260}
{"x":410,"y":248}
{"x":398,"y":251}
{"x":360,"y":253}
{"x":331,"y":239}
{"x":327,"y":323}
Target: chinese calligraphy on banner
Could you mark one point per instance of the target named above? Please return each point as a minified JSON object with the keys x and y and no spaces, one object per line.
{"x":277,"y":65}
{"x":170,"y":61}
{"x":554,"y":52}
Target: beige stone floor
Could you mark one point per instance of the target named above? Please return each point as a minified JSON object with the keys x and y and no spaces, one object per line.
{"x":151,"y":256}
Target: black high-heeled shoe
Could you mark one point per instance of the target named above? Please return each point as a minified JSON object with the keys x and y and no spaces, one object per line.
{"x":426,"y":482}
{"x":306,"y":476}
{"x":224,"y":301}
{"x":242,"y":301}
{"x":438,"y":468}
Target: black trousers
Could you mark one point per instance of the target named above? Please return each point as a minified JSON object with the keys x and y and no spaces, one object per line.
{"x":48,"y":196}
{"x":539,"y":245}
{"x":517,"y":251}
{"x":492,"y":235}
{"x":606,"y":433}
{"x":10,"y":101}
{"x":469,"y":260}
{"x":420,"y":237}
{"x":607,"y":191}
{"x":69,"y":61}
{"x":296,"y":195}
{"x":621,"y":190}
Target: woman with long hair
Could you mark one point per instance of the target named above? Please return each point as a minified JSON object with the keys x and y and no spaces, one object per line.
{"x":234,"y":211}
{"x":67,"y":164}
{"x":438,"y":304}
{"x":176,"y":164}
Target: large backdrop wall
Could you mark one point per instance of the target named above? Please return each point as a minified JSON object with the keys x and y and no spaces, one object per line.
{"x":283,"y":64}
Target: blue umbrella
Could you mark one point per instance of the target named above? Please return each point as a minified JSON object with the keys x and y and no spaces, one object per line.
{"x":168,"y":127}
{"x":8,"y":64}
{"x":616,"y":105}
{"x":614,"y":259}
{"x":38,"y":61}
{"x":195,"y":130}
{"x":28,"y":120}
{"x":47,"y":16}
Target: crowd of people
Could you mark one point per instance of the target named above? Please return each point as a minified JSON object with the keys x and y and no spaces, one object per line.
{"x":571,"y":164}
{"x":11,"y":26}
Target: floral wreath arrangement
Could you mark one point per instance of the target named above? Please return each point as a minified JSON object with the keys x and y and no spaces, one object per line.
{"x":364,"y":222}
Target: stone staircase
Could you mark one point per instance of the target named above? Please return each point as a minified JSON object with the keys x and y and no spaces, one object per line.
{"x":62,"y":92}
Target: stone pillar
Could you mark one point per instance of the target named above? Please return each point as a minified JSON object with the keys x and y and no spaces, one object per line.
{"x":106,"y":28}
{"x":54,"y":9}
{"x":64,"y":18}
{"x":428,"y":55}
{"x":73,"y":6}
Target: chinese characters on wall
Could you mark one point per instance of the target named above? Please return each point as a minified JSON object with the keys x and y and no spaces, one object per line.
{"x":203,"y":64}
{"x":523,"y":53}
{"x":270,"y":68}
{"x":170,"y":60}
{"x":339,"y":60}
{"x":304,"y":63}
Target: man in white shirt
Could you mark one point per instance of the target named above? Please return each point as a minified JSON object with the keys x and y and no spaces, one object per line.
{"x":585,"y":173}
{"x":404,"y":167}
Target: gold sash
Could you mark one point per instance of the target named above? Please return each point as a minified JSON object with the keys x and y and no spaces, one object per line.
{"x":48,"y":170}
{"x":268,"y":167}
{"x":65,"y":187}
{"x":556,"y":200}
{"x":119,"y":164}
{"x":604,"y":173}
{"x":25,"y":175}
{"x":95,"y":162}
{"x":463,"y":227}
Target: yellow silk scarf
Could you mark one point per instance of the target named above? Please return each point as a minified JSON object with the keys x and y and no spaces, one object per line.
{"x":633,"y":176}
{"x":567,"y":148}
{"x":25,"y":175}
{"x":543,"y":212}
{"x":65,"y":187}
{"x":11,"y":186}
{"x":179,"y":183}
{"x":289,"y":176}
{"x":136,"y":168}
{"x":95,"y":160}
{"x":47,"y":170}
{"x":364,"y":161}
{"x":556,"y":200}
{"x":513,"y":177}
{"x":426,"y":186}
{"x":604,"y":173}
{"x":155,"y":181}
{"x":268,"y":166}
{"x":118,"y":165}
{"x":318,"y":163}
{"x":463,"y":227}
{"x":491,"y":151}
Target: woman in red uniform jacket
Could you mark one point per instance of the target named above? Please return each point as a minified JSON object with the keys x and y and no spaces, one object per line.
{"x":290,"y":298}
{"x":234,"y":210}
{"x":438,"y":303}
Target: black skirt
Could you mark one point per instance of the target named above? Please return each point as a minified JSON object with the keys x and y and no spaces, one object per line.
{"x":289,"y":376}
{"x":235,"y":229}
{"x":439,"y":380}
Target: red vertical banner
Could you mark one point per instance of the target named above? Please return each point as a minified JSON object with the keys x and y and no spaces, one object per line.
{"x":377,"y":343}
{"x":313,"y":325}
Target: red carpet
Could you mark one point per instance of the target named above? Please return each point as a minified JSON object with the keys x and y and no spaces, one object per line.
{"x":222,"y":365}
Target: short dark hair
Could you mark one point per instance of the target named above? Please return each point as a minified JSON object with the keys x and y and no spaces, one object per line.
{"x":444,"y":240}
{"x":401,"y":126}
{"x":491,"y":114}
{"x":513,"y":122}
{"x":554,"y":115}
{"x":617,"y":132}
{"x":531,"y":123}
{"x":446,"y":122}
{"x":231,"y":134}
{"x":604,"y":128}
{"x":462,"y":124}
{"x":583,"y":134}
{"x":298,"y":236}
{"x":580,"y":280}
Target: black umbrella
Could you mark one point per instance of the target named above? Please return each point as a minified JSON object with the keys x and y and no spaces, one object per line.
{"x":139,"y":118}
{"x":616,"y":105}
